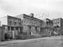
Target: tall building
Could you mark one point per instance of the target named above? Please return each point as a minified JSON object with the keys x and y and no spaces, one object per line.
{"x":31,"y":25}
{"x":11,"y":25}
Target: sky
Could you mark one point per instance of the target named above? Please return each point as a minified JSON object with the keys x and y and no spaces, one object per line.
{"x":41,"y":8}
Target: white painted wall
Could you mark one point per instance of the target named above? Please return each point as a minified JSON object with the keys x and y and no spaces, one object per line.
{"x":3,"y":20}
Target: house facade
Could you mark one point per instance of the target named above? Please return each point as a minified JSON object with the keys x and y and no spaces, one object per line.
{"x":11,"y":25}
{"x":58,"y":25}
{"x":31,"y":25}
{"x":47,"y":27}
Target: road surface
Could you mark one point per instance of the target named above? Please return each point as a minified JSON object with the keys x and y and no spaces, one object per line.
{"x":39,"y":42}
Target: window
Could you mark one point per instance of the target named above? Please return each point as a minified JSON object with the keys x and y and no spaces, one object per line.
{"x":16,"y":28}
{"x":29,"y":27}
{"x":36,"y":29}
{"x":19,"y":23}
{"x":10,"y":22}
{"x":58,"y":22}
{"x":8,"y":28}
{"x":12,"y":28}
{"x":14,"y":23}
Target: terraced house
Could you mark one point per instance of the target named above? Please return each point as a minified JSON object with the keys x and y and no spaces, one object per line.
{"x":28,"y":25}
{"x":58,"y":25}
{"x":31,"y":25}
{"x":47,"y":27}
{"x":11,"y":25}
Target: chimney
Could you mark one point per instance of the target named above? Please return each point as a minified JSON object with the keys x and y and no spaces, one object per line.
{"x":32,"y":15}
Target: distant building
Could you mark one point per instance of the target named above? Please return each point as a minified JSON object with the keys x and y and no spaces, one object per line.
{"x":57,"y":22}
{"x":58,"y":25}
{"x":47,"y":27}
{"x":11,"y":25}
{"x":31,"y":25}
{"x":49,"y":23}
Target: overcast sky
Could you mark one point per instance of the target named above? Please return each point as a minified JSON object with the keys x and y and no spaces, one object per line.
{"x":41,"y":8}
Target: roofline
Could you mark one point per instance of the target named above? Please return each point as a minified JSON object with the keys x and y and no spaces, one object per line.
{"x":13,"y":17}
{"x":33,"y":17}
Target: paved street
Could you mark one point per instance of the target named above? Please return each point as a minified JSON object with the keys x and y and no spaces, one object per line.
{"x":39,"y":42}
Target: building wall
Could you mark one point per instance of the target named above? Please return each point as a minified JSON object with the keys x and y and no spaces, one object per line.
{"x":7,"y":20}
{"x":15,"y":26}
{"x":33,"y":22}
{"x":3,"y":20}
{"x":30,"y":23}
{"x":13,"y":21}
{"x":61,"y":23}
{"x":33,"y":30}
{"x":61,"y":30}
{"x":11,"y":25}
{"x":25,"y":28}
{"x":47,"y":27}
{"x":1,"y":34}
{"x":57,"y":22}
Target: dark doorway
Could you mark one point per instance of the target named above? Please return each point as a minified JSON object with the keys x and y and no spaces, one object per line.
{"x":7,"y":36}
